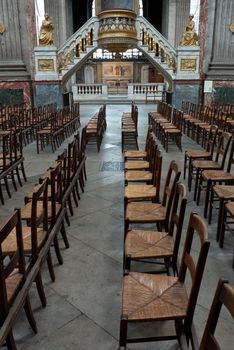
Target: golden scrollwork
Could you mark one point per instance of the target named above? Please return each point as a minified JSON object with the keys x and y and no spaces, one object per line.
{"x":189,"y":36}
{"x":2,"y":28}
{"x":188,"y":64}
{"x":46,"y":65}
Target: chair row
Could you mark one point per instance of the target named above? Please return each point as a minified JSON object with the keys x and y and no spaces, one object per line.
{"x":129,"y":128}
{"x":59,"y":125}
{"x":155,"y":298}
{"x":27,"y":236}
{"x":96,"y":127}
{"x":212,"y":173}
{"x":11,"y":161}
{"x":197,"y":119}
{"x":167,"y":124}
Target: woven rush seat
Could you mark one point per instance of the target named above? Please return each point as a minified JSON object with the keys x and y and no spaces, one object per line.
{"x":134,"y":153}
{"x":140,"y":244}
{"x":138,"y":176}
{"x":140,"y":191}
{"x":145,"y":295}
{"x":13,"y":283}
{"x":10,"y":246}
{"x":136,"y":165}
{"x":224,"y":191}
{"x":220,"y":175}
{"x":141,"y":212}
{"x":206,"y":164}
{"x":197,"y":154}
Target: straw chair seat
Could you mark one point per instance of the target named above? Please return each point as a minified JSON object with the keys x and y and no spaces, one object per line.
{"x":146,"y":296}
{"x":138,"y":175}
{"x":135,"y":154}
{"x":10,"y":245}
{"x":13,"y":283}
{"x":214,"y":175}
{"x":224,"y":191}
{"x":136,"y":165}
{"x":206,"y":164}
{"x":140,"y":191}
{"x":145,"y":212}
{"x":197,"y":154}
{"x":140,"y":244}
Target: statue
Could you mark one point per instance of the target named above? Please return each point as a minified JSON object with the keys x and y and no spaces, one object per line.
{"x":189,"y":36}
{"x":46,"y":36}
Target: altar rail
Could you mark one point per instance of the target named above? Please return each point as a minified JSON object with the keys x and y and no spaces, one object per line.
{"x":137,"y":92}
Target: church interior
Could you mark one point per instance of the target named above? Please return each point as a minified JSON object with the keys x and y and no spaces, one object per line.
{"x":116,"y":174}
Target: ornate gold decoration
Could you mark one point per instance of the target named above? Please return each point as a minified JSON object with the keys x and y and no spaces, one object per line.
{"x":117,"y":30}
{"x":231,"y":27}
{"x":188,"y":64}
{"x":2,"y":28}
{"x":63,"y":61}
{"x":46,"y":36}
{"x":46,"y":65}
{"x":189,"y":36}
{"x":68,"y":56}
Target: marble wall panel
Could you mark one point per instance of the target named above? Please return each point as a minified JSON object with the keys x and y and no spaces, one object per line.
{"x":189,"y":92}
{"x":48,"y":93}
{"x":16,"y":92}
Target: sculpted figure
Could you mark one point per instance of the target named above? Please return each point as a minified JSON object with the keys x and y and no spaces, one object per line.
{"x":189,"y":36}
{"x":46,"y":36}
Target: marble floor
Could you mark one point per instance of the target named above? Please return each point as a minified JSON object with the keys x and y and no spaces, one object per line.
{"x":83,"y":304}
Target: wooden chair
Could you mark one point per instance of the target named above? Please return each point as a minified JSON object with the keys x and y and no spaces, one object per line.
{"x":146,"y":191}
{"x":129,"y":132}
{"x":173,"y":131}
{"x":155,"y":213}
{"x":152,"y":298}
{"x":140,"y":154}
{"x":207,"y":153}
{"x":12,"y":280}
{"x":227,"y":223}
{"x":217,"y":164}
{"x":35,"y":234}
{"x":155,"y":245}
{"x":224,"y":296}
{"x":211,"y":177}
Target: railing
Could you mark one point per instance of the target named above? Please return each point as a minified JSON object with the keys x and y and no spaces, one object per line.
{"x":89,"y":91}
{"x":155,"y":43}
{"x":146,"y":91}
{"x":84,"y":37}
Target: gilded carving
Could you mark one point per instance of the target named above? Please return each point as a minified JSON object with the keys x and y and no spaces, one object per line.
{"x":231,"y":27}
{"x":46,"y":65}
{"x":189,"y":64}
{"x":2,"y":28}
{"x":46,"y":36}
{"x":189,"y":36}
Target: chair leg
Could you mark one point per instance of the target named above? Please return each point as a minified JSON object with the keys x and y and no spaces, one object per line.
{"x":29,"y":314}
{"x":13,"y":180}
{"x":18,"y":176}
{"x":10,"y":341}
{"x":57,"y":250}
{"x":50,"y":266}
{"x":207,"y":199}
{"x":222,"y":228}
{"x":1,"y":194}
{"x":220,"y":218}
{"x":64,"y":236}
{"x":7,"y":187}
{"x":40,"y":289}
{"x":123,"y":332}
{"x":23,"y":172}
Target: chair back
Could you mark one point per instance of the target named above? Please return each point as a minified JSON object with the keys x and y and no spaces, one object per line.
{"x":156,"y":177}
{"x":231,"y":157}
{"x":224,"y":296}
{"x":14,"y":262}
{"x":173,"y":176}
{"x":177,"y":219}
{"x":39,"y":215}
{"x":211,"y":140}
{"x":224,"y":142}
{"x":56,"y":191}
{"x":194,"y":266}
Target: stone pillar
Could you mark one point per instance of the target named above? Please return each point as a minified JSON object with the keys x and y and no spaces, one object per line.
{"x":47,"y":87}
{"x":187,"y":85}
